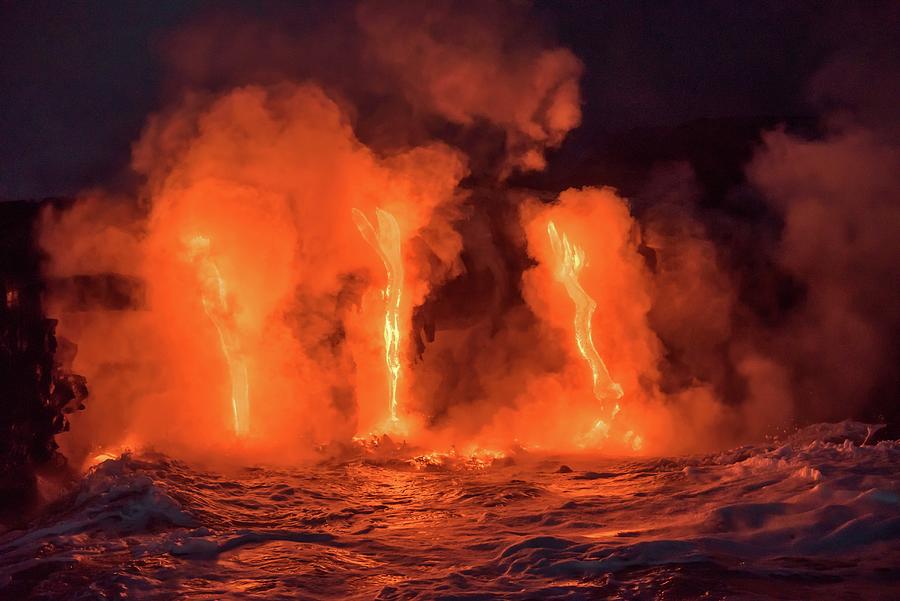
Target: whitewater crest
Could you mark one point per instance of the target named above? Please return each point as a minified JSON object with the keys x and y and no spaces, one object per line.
{"x":815,"y":515}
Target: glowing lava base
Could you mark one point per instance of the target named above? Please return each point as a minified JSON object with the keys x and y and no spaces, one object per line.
{"x":814,"y":517}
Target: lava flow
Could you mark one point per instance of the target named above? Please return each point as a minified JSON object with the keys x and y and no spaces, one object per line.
{"x":219,"y":311}
{"x":570,"y":260}
{"x":386,"y":242}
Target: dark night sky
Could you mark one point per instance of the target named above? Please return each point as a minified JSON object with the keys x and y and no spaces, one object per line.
{"x":78,"y":79}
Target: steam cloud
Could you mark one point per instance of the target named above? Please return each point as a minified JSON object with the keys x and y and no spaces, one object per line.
{"x":266,"y":152}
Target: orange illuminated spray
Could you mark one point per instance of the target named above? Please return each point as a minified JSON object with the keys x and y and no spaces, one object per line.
{"x":386,"y":242}
{"x":215,"y":303}
{"x":570,"y":259}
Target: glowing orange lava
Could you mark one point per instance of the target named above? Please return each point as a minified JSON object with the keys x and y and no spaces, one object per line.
{"x":570,"y":260}
{"x":215,"y":303}
{"x":386,"y":242}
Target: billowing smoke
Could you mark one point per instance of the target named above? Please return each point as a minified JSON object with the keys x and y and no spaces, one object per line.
{"x":479,"y":75}
{"x":770,"y":290}
{"x":839,"y":200}
{"x":246,"y":257}
{"x":268,"y":179}
{"x":479,"y":65}
{"x":244,"y":238}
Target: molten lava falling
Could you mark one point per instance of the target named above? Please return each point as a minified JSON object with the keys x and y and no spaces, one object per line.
{"x":215,"y":303}
{"x":386,"y":241}
{"x":570,"y":259}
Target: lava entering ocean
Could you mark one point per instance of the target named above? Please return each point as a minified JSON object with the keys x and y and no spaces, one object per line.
{"x":361,"y":317}
{"x":462,"y":316}
{"x":270,"y":185}
{"x":386,"y":242}
{"x":570,"y":259}
{"x":215,"y":303}
{"x":285,"y":281}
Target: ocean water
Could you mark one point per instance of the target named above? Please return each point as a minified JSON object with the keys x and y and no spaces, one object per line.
{"x":814,"y":517}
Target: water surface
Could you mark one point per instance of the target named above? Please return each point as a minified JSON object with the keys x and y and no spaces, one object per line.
{"x":812,"y":518}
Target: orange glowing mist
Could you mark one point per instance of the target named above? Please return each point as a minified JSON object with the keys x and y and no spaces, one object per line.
{"x":219,"y":311}
{"x":386,"y":242}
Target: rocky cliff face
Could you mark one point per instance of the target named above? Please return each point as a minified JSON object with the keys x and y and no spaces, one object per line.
{"x":36,"y":389}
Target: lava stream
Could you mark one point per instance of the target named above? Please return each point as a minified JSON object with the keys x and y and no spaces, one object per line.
{"x":570,"y":260}
{"x":215,"y":303}
{"x":386,"y":242}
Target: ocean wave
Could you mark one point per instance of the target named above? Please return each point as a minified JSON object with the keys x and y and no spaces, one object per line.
{"x":813,"y":515}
